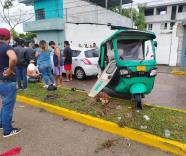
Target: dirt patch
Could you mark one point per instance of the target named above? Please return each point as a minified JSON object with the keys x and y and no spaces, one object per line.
{"x":106,"y":145}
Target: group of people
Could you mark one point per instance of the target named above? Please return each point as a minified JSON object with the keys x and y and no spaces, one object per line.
{"x":90,"y":46}
{"x":20,"y":61}
{"x":35,"y":64}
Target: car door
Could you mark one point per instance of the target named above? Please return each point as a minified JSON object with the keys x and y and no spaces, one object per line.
{"x":75,"y":59}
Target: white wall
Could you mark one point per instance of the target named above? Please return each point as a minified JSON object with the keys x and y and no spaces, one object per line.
{"x":159,"y":18}
{"x":180,"y":16}
{"x":86,"y":33}
{"x":167,"y":50}
{"x":90,"y":13}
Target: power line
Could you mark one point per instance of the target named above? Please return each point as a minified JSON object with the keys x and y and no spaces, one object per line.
{"x":57,"y":10}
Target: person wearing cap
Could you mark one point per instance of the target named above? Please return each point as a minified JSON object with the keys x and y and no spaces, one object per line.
{"x":8,"y":60}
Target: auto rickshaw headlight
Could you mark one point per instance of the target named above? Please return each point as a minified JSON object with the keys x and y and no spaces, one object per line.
{"x":124,"y":72}
{"x":153,"y":72}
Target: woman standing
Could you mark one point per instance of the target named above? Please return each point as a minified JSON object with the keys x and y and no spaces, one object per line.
{"x":44,"y":64}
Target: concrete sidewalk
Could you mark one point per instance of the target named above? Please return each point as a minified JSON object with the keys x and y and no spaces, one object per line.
{"x":49,"y":135}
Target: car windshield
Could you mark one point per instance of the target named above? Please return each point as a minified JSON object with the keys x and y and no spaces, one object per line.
{"x":91,"y":53}
{"x":130,"y":49}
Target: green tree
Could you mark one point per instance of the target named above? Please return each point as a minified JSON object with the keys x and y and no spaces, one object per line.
{"x":137,"y":15}
{"x":28,"y":36}
{"x":140,"y":20}
{"x":10,"y":18}
{"x":14,"y":33}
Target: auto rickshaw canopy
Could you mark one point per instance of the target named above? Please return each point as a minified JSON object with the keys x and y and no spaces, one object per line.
{"x":134,"y":33}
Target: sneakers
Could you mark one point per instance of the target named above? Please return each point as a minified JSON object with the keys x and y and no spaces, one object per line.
{"x":13,"y":132}
{"x":45,"y":86}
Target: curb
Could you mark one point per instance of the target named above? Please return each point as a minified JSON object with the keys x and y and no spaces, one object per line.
{"x":142,"y":137}
{"x":178,"y":72}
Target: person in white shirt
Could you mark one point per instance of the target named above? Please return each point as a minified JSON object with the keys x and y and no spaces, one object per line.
{"x":33,"y":72}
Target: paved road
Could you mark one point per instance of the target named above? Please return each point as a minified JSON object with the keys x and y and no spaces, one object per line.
{"x":49,"y":135}
{"x":169,"y":90}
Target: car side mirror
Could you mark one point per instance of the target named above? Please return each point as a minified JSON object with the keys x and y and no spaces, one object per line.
{"x":156,"y":44}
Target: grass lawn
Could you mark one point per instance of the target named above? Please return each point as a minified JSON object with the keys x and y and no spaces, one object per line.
{"x":118,"y":110}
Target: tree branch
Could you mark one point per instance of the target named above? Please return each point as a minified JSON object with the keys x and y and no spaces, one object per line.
{"x":6,"y":16}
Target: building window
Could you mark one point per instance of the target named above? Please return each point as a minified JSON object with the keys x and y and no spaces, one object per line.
{"x":173,"y":13}
{"x":163,"y":26}
{"x":149,"y":27}
{"x":171,"y":25}
{"x":182,"y":8}
{"x":40,"y":14}
{"x":161,"y":10}
{"x":149,"y":12}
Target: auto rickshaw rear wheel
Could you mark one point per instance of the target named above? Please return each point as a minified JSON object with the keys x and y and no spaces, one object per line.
{"x":138,"y":101}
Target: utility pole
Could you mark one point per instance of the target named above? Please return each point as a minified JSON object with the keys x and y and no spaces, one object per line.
{"x":121,"y":3}
{"x":131,"y":14}
{"x":106,"y":4}
{"x":66,"y":11}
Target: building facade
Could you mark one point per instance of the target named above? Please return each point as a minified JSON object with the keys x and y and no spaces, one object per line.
{"x":166,"y":18}
{"x":49,"y":20}
{"x":78,"y":21}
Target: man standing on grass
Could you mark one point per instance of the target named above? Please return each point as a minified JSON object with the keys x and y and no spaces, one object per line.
{"x":22,"y":64}
{"x":58,"y":63}
{"x":8,"y":62}
{"x":67,"y":54}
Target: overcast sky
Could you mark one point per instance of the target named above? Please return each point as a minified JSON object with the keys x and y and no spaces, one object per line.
{"x":19,"y":28}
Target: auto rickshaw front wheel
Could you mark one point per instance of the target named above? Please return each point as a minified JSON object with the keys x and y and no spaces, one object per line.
{"x":138,"y":101}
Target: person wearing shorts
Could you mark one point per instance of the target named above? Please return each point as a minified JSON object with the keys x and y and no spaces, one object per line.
{"x":67,"y":54}
{"x":58,"y":63}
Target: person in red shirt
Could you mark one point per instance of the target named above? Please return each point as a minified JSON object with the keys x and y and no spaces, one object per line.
{"x":67,"y":54}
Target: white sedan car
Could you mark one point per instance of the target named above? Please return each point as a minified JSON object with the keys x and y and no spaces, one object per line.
{"x":84,"y":62}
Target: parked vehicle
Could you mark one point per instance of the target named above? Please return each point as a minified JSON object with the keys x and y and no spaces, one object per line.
{"x":84,"y":62}
{"x":128,"y":64}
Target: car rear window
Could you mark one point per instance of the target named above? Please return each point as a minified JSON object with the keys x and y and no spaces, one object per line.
{"x":91,"y":53}
{"x":75,"y":53}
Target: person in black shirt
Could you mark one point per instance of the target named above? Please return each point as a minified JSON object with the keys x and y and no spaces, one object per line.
{"x":22,"y":64}
{"x":67,"y":54}
{"x":32,"y":53}
{"x":8,"y":60}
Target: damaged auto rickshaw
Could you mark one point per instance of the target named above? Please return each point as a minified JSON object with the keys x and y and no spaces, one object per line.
{"x":127,"y":64}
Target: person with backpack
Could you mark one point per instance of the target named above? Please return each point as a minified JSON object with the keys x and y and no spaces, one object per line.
{"x":22,"y":64}
{"x":8,"y":60}
{"x":58,"y":63}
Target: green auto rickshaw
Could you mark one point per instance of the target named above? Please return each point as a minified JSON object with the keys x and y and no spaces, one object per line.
{"x":127,"y":64}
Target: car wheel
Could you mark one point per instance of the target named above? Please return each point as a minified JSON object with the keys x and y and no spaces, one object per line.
{"x":80,"y":74}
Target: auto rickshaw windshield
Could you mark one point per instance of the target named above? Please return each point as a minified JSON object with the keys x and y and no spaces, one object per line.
{"x":135,"y":49}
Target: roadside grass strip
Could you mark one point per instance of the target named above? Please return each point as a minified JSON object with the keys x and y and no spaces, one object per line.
{"x":155,"y":126}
